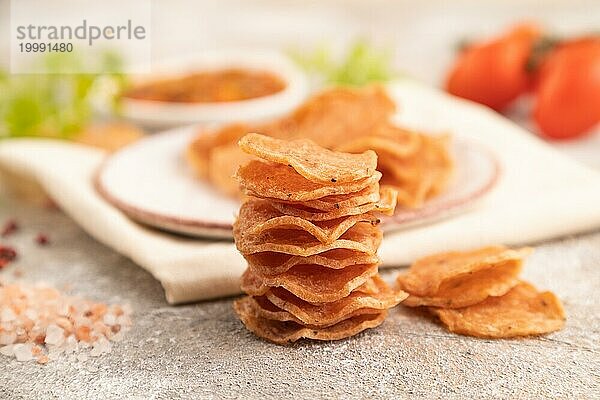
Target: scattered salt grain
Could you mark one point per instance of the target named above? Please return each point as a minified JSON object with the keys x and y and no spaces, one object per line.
{"x":71,"y":344}
{"x":54,"y":335}
{"x":43,"y":359}
{"x":23,"y":352}
{"x":7,"y":350}
{"x":101,"y":346}
{"x":92,"y":368}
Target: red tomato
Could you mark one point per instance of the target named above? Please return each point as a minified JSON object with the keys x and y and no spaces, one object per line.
{"x":495,"y":73}
{"x":568,"y":90}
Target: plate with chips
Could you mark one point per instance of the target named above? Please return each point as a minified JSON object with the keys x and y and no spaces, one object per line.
{"x":151,"y":182}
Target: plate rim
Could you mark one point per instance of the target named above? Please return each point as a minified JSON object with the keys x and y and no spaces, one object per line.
{"x":158,"y":220}
{"x":140,"y":214}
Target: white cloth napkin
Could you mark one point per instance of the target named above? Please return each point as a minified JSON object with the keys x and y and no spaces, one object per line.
{"x":541,"y":194}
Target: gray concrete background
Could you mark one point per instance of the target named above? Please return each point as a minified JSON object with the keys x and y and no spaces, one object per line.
{"x":203,"y":351}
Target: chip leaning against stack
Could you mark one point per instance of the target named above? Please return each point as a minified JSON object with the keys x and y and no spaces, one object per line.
{"x":308,"y":231}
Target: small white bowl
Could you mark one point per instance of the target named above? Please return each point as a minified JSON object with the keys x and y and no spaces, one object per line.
{"x":161,"y":114}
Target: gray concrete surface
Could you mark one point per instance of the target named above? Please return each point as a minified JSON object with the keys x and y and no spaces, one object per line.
{"x":203,"y":351}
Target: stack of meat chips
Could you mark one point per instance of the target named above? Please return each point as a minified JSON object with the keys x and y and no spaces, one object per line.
{"x":309,"y":232}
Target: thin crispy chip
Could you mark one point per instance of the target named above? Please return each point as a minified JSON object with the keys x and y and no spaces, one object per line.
{"x":460,"y":279}
{"x":386,"y":139}
{"x":471,"y":289}
{"x":288,"y":332}
{"x":385,"y":205}
{"x":197,"y":158}
{"x":413,"y":191}
{"x":266,"y":309}
{"x":433,"y":156}
{"x":441,"y":162}
{"x":407,"y":138}
{"x":523,"y":311}
{"x":426,"y":275}
{"x":370,"y":194}
{"x":341,"y":114}
{"x":277,"y":181}
{"x":356,"y":303}
{"x":263,"y":308}
{"x":224,"y":161}
{"x":260,"y":216}
{"x":418,"y":166}
{"x":362,"y":237}
{"x":311,"y":283}
{"x":270,"y":263}
{"x":198,"y":151}
{"x":369,"y":287}
{"x":421,"y":175}
{"x":310,"y":160}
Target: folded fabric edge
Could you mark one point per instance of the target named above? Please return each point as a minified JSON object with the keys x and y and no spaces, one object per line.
{"x":185,"y":291}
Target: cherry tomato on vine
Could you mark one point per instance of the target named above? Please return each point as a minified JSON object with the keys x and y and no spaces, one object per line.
{"x":567,"y":101}
{"x":495,"y":73}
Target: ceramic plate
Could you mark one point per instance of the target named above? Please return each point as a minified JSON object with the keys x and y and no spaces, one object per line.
{"x":151,"y":183}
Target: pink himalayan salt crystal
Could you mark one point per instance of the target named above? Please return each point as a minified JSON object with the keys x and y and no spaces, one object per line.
{"x":22,"y":351}
{"x":43,"y":359}
{"x":71,"y":344}
{"x":40,"y":323}
{"x":54,"y":335}
{"x":101,"y":346}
